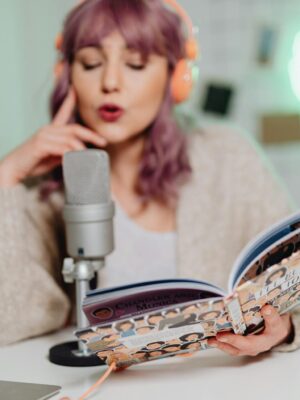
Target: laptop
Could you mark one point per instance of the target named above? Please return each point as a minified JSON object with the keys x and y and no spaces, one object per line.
{"x":26,"y":391}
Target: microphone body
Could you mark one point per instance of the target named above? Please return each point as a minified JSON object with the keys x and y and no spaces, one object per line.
{"x":88,"y":212}
{"x":89,"y":230}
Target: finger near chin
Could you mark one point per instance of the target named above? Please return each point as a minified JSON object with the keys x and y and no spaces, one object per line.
{"x":75,"y":144}
{"x":67,"y":142}
{"x":87,"y":135}
{"x":46,"y":166}
{"x":55,"y":149}
{"x":64,"y":113}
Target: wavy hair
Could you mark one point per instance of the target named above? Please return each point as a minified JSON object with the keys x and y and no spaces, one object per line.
{"x":149,"y":27}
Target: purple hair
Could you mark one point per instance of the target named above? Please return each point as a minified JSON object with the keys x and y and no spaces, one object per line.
{"x":149,"y":27}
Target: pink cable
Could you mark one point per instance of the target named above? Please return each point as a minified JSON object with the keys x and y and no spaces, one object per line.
{"x":99,"y":382}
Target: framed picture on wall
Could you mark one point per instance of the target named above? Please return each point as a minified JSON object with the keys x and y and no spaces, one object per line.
{"x":217,"y":98}
{"x":267,"y":43}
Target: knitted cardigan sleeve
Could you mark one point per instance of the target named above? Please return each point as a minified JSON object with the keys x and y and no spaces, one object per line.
{"x":32,"y":300}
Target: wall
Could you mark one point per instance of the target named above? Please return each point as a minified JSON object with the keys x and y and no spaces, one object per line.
{"x":27,"y":33}
{"x":12,"y":113}
{"x":228,"y":34}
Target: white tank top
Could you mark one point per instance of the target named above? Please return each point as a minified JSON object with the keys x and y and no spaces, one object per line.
{"x":139,"y":254}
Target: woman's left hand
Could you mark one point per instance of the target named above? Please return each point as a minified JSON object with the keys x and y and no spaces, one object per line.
{"x":276,"y":331}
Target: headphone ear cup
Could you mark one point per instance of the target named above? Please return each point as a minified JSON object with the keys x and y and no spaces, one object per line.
{"x":181,"y":82}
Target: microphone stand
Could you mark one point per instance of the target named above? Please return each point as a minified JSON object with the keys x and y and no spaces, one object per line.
{"x":88,"y":213}
{"x":76,"y":353}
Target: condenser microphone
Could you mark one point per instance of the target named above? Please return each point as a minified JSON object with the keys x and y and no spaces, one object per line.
{"x":88,"y":211}
{"x":88,"y":214}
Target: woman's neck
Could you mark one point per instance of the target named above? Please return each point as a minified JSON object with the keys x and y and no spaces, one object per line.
{"x":125,"y":165}
{"x":125,"y":159}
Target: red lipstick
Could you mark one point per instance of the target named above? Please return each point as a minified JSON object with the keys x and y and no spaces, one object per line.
{"x":110,"y":112}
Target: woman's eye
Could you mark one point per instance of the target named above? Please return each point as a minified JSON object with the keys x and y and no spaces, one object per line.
{"x":137,"y":67}
{"x":88,"y":67}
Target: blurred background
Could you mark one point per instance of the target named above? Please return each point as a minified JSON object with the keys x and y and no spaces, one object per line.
{"x":249,"y":72}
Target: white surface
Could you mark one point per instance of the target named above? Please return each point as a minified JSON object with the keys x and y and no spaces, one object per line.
{"x":209,"y":375}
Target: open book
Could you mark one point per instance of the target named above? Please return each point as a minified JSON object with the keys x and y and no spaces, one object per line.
{"x":150,"y":320}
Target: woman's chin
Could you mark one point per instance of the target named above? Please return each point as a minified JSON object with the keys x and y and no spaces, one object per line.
{"x":117,"y":137}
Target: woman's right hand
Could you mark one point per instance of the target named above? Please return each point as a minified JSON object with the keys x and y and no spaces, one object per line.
{"x":45,"y":149}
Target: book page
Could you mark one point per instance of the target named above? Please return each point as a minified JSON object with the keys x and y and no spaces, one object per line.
{"x":273,"y":255}
{"x":172,"y":331}
{"x":279,"y":286}
{"x":262,"y":244}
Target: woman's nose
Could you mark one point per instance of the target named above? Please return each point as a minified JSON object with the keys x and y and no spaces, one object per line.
{"x":111,"y":79}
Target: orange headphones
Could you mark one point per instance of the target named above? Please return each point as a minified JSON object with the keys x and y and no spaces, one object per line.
{"x":182,"y":79}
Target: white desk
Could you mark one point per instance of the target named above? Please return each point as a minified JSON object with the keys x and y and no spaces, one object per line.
{"x":209,"y":375}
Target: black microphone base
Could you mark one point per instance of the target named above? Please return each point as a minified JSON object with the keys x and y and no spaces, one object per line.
{"x":65,"y":354}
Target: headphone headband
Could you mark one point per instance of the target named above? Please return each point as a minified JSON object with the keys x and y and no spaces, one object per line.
{"x":182,"y":80}
{"x":191,"y":45}
{"x":184,"y":16}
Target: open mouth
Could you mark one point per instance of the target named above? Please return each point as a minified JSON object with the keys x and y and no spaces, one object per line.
{"x":110,"y":112}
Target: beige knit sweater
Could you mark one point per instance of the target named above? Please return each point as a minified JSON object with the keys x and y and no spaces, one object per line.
{"x":230,"y":198}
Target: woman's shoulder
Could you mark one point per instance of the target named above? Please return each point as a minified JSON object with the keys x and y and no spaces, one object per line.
{"x":227,"y":157}
{"x":44,"y":195}
{"x":224,"y":145}
{"x":219,"y":138}
{"x":34,"y":196}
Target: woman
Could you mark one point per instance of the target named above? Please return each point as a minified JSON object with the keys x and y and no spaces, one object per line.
{"x":186,"y":205}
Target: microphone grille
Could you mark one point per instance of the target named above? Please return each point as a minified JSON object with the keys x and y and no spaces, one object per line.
{"x":86,"y":177}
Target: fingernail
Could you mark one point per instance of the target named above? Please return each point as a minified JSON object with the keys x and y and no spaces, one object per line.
{"x":223,"y":339}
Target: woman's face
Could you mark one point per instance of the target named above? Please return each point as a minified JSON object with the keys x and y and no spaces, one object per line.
{"x":118,"y":94}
